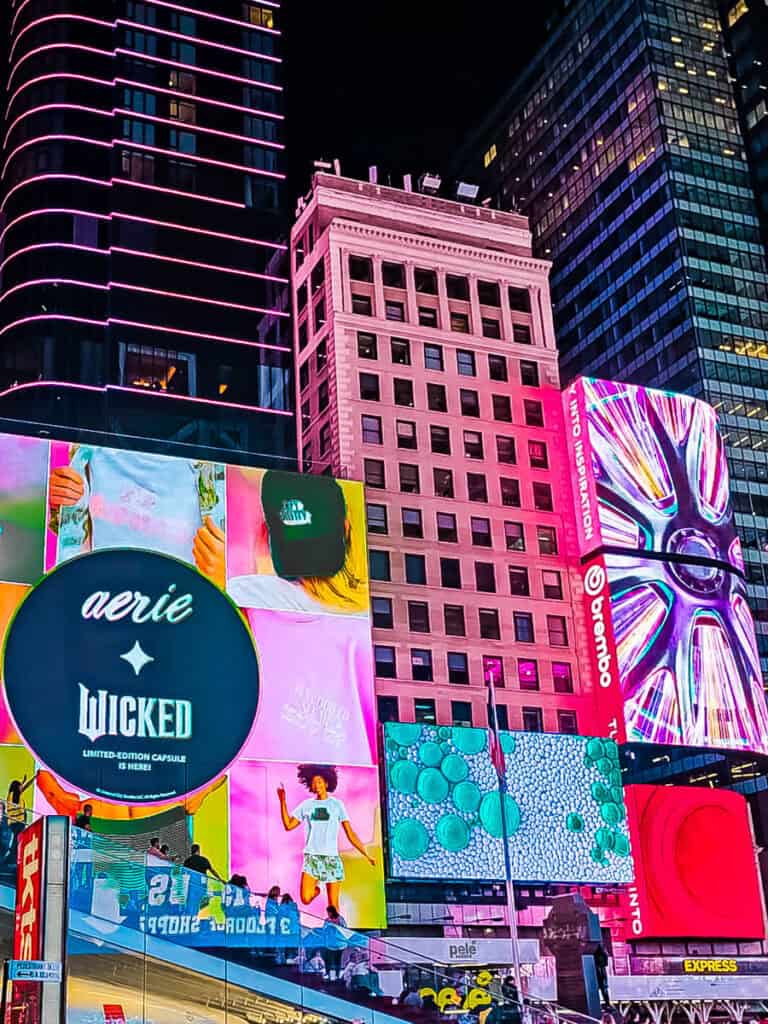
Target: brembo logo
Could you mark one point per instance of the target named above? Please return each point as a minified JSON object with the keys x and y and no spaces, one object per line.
{"x":582,"y":480}
{"x":594,"y":587}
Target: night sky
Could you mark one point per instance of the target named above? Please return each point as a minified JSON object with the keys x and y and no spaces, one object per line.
{"x":393,"y":83}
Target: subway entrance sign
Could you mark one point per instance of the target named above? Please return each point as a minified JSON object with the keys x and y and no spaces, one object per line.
{"x":34,"y":970}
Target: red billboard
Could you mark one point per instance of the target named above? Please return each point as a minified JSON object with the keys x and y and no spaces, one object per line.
{"x":28,"y":932}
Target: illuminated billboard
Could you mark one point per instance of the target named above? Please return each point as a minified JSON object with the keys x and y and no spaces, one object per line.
{"x":564,"y":804}
{"x":696,"y":867}
{"x":195,"y":629}
{"x":670,"y":632}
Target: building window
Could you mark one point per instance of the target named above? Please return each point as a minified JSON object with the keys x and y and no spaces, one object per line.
{"x":527,"y":674}
{"x":403,"y":391}
{"x":461,"y":713}
{"x":514,"y":536}
{"x":376,"y":518}
{"x":542,"y":497}
{"x":547,"y":538}
{"x":502,"y":717}
{"x":425,"y":281}
{"x":411,"y":522}
{"x":454,"y":620}
{"x":491,"y":328}
{"x":460,"y":323}
{"x":367,"y":347}
{"x":465,"y":363}
{"x":427,"y":316}
{"x":421,"y":665}
{"x":557,"y":631}
{"x":416,"y":569}
{"x":446,"y":527}
{"x":137,"y":166}
{"x":387,"y":709}
{"x":361,"y":268}
{"x":521,"y":333}
{"x":490,"y":155}
{"x":519,"y":299}
{"x":372,"y":430}
{"x":436,"y":399}
{"x":443,"y":481}
{"x":502,"y":408}
{"x":489,"y":624}
{"x":523,"y":622}
{"x":369,"y":387}
{"x":401,"y":351}
{"x":317,"y":277}
{"x":433,"y":357}
{"x":405,"y":430}
{"x":321,"y":356}
{"x":424,"y":711}
{"x":562,"y":677}
{"x":497,"y":368}
{"x":529,"y":373}
{"x":505,"y":450}
{"x":158,"y":369}
{"x":319,"y":315}
{"x":325,"y":438}
{"x":473,"y":444}
{"x":518,"y":581}
{"x":418,"y":616}
{"x":510,"y":492}
{"x":450,"y":573}
{"x":481,"y":531}
{"x":469,"y":401}
{"x":493,"y":670}
{"x":457,"y":287}
{"x":537,"y":455}
{"x":301,"y":297}
{"x":567,"y":723}
{"x":477,"y":489}
{"x":262,"y":17}
{"x":378,"y":564}
{"x":532,"y":720}
{"x":485,"y":577}
{"x":382,"y":612}
{"x":373,"y":472}
{"x":306,"y":456}
{"x":458,"y":668}
{"x":409,"y":478}
{"x":384,"y":657}
{"x":553,"y":584}
{"x":488,"y":293}
{"x":440,"y":440}
{"x":534,"y":413}
{"x":322,"y":396}
{"x":394,"y":311}
{"x":393,"y":275}
{"x":363,"y":306}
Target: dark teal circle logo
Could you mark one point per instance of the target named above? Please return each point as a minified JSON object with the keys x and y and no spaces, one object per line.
{"x":131,"y":676}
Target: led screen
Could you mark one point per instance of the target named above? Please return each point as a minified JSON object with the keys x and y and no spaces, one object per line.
{"x":191,"y":626}
{"x":564,"y":806}
{"x":696,"y":872}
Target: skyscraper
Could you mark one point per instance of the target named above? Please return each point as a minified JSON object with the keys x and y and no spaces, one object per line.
{"x":622,"y":144}
{"x":144,"y":282}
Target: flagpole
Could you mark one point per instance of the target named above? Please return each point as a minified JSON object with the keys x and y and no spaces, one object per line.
{"x":509,"y":884}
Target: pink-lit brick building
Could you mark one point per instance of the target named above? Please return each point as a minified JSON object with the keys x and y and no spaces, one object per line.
{"x":427,"y":368}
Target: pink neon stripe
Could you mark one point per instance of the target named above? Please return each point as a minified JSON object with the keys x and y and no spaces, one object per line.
{"x":44,"y":212}
{"x":57,"y":74}
{"x":195,"y":298}
{"x":50,"y":316}
{"x":56,"y":17}
{"x":196,"y":263}
{"x":218,"y":17}
{"x":56,"y":106}
{"x":184,"y":127}
{"x":177,"y":192}
{"x":203,"y":231}
{"x":52,"y":138}
{"x":52,"y":280}
{"x":46,"y":177}
{"x":51,"y":245}
{"x":55,"y":46}
{"x":197,"y":334}
{"x":197,"y":69}
{"x":197,"y":41}
{"x":177,"y":154}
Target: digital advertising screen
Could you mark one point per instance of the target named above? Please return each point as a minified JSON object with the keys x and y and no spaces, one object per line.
{"x":564,"y":806}
{"x":696,"y":867}
{"x":200,"y":635}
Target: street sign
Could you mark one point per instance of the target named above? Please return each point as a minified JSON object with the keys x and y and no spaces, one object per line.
{"x":34,"y":970}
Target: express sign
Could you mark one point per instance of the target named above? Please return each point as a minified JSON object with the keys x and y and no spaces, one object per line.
{"x":147,"y":669}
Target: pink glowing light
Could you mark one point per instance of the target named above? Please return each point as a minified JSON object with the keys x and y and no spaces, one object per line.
{"x":203,"y":231}
{"x":198,"y":70}
{"x":55,"y":106}
{"x":197,"y":41}
{"x":176,"y":192}
{"x":55,"y":74}
{"x":52,"y":280}
{"x":44,"y":212}
{"x":51,"y":245}
{"x":184,"y":126}
{"x":53,"y":138}
{"x":55,"y":17}
{"x":195,"y":298}
{"x":49,"y":316}
{"x":175,"y":153}
{"x":197,"y":334}
{"x":51,"y":177}
{"x":196,"y":263}
{"x":55,"y":46}
{"x":217,"y":17}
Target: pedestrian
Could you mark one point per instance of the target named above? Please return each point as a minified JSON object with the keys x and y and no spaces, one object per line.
{"x":272,"y":906}
{"x":335,"y":942}
{"x":197,"y":862}
{"x":155,"y":855}
{"x":288,"y":921}
{"x":83,"y":820}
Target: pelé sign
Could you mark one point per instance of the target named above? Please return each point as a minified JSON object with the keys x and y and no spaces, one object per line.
{"x":146,"y":668}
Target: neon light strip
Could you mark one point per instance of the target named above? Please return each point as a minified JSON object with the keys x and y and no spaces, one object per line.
{"x":203,"y":231}
{"x":56,"y":17}
{"x":196,"y":68}
{"x":191,"y":298}
{"x":52,"y":280}
{"x":56,"y":46}
{"x":184,"y":126}
{"x":193,"y":263}
{"x":177,"y":192}
{"x":178,"y":154}
{"x":198,"y":334}
{"x":55,"y":74}
{"x":51,"y":245}
{"x":218,"y":17}
{"x":47,"y":177}
{"x":49,"y":316}
{"x":56,"y":106}
{"x":49,"y":210}
{"x":140,"y":391}
{"x":198,"y":41}
{"x":54,"y":138}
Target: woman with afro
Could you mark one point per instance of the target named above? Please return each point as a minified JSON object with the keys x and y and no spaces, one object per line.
{"x":321,"y":814}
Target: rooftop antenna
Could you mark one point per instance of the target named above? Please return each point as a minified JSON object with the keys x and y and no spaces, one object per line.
{"x":337,"y":167}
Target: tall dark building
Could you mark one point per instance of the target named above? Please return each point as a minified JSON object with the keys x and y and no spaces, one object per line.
{"x":144,"y":274}
{"x":621,"y":142}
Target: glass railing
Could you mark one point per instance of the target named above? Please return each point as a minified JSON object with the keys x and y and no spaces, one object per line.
{"x":138,"y":902}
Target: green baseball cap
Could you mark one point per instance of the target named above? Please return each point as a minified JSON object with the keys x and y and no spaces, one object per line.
{"x":305,"y":518}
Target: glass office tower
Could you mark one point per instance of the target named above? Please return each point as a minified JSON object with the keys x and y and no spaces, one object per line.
{"x":621,"y":142}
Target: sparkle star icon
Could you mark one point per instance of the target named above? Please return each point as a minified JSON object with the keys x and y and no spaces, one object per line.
{"x":137,"y":658}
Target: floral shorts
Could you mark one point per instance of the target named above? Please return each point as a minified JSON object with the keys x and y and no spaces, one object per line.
{"x":323,"y":867}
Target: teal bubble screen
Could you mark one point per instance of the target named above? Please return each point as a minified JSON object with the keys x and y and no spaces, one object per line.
{"x":564,"y":806}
